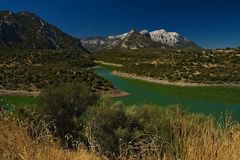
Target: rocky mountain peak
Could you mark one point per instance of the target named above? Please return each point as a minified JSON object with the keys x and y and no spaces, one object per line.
{"x":134,"y":40}
{"x":27,"y":30}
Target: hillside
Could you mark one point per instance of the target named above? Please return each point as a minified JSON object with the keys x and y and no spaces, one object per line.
{"x":35,"y":54}
{"x":190,"y":66}
{"x":25,"y":30}
{"x":35,"y":70}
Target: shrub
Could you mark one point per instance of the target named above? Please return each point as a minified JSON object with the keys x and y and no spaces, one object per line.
{"x":67,"y":105}
{"x":106,"y":119}
{"x":114,"y":130}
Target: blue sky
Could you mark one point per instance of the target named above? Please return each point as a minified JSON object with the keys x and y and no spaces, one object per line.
{"x":209,"y":23}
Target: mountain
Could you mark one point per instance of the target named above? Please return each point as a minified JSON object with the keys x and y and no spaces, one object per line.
{"x":98,"y":43}
{"x":142,"y":39}
{"x":136,"y":40}
{"x":171,"y":39}
{"x":26,"y":30}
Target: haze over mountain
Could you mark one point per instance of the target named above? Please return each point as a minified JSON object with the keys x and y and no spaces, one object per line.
{"x":143,"y":39}
{"x":28,"y":31}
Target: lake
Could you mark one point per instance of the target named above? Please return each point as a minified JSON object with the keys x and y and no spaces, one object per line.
{"x":215,"y":101}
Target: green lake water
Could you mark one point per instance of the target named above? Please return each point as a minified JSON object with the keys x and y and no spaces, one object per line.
{"x":215,"y":101}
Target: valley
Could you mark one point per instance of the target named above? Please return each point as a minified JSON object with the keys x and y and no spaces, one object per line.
{"x":135,"y":95}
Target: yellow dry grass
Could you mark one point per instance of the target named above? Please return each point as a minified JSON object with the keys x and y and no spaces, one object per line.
{"x":205,"y":141}
{"x":193,"y":139}
{"x":17,"y":144}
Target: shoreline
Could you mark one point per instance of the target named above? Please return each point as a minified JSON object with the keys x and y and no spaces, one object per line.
{"x":111,"y":94}
{"x":109,"y":64}
{"x":114,"y":94}
{"x":4,"y":92}
{"x":165,"y":82}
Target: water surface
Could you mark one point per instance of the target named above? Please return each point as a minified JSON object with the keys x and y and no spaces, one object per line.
{"x":194,"y":100}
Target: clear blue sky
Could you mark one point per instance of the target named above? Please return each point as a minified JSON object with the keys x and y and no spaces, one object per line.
{"x":210,"y":23}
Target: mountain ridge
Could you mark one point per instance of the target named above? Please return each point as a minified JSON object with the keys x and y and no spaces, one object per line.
{"x":28,"y":31}
{"x":139,"y":39}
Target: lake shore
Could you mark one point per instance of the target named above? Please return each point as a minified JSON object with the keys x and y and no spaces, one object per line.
{"x":111,"y":94}
{"x":114,"y":94}
{"x":165,"y":82}
{"x":4,"y":92}
{"x":109,"y":64}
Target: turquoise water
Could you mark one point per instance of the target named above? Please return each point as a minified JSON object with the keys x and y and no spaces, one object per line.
{"x":151,"y":93}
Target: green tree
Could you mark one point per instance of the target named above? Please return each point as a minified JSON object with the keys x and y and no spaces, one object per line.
{"x":105,"y":120}
{"x":67,"y":105}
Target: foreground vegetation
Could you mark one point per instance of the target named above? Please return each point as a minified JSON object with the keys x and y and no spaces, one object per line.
{"x":30,"y":139}
{"x":194,"y":66}
{"x":71,"y":122}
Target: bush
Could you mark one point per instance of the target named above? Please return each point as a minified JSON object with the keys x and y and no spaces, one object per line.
{"x":151,"y":132}
{"x":106,"y":120}
{"x":67,"y":105}
{"x":114,"y":130}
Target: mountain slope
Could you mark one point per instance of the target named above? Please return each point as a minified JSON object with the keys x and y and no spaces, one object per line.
{"x":98,"y":43}
{"x":135,"y":40}
{"x":28,"y":31}
{"x":171,"y":39}
{"x":143,"y":39}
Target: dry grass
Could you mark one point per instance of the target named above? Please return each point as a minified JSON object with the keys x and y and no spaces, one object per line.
{"x":205,"y":141}
{"x":192,"y":139}
{"x":17,"y":144}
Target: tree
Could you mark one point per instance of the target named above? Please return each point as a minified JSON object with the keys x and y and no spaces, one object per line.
{"x":67,"y":105}
{"x":102,"y":130}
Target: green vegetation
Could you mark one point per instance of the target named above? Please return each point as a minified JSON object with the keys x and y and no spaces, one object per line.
{"x":199,"y":66}
{"x":19,"y":100}
{"x":35,"y":70}
{"x":113,"y":130}
{"x":117,"y":128}
{"x":67,"y":105}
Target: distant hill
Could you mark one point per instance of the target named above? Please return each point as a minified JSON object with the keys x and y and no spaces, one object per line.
{"x":143,"y":39}
{"x":28,"y":31}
